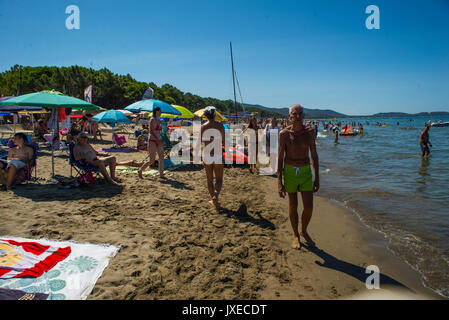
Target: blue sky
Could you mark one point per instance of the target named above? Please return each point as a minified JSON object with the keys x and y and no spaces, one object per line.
{"x":318,"y":53}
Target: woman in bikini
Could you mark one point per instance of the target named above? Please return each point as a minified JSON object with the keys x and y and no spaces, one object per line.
{"x":253,"y":125}
{"x":155,"y":144}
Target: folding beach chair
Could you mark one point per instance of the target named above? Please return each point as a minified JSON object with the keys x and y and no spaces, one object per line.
{"x":119,"y":141}
{"x":33,"y":164}
{"x":25,"y":174}
{"x":82,"y":168}
{"x":3,"y":154}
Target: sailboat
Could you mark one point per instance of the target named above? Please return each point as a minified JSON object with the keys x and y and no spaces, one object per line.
{"x":234,"y":82}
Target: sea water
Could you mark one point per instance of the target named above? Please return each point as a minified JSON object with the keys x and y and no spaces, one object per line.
{"x":381,"y":176}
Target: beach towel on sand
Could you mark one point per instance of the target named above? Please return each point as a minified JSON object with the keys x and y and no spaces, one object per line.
{"x":72,"y":278}
{"x":168,"y":166}
{"x":10,"y":294}
{"x":28,"y":259}
{"x":125,"y":149}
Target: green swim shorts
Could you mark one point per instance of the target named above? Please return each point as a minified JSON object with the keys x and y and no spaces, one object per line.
{"x":297,"y":178}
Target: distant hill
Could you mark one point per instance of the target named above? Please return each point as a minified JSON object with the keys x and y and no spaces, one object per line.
{"x":402,"y":114}
{"x":308,"y":113}
{"x":327,"y":114}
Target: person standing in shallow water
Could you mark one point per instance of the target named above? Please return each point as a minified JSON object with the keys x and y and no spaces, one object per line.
{"x":295,"y":174}
{"x":424,"y":141}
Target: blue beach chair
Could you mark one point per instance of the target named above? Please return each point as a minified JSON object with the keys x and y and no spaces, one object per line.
{"x":81,"y":167}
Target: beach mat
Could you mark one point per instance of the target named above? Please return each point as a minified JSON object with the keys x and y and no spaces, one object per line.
{"x":168,"y":166}
{"x":70,"y":279}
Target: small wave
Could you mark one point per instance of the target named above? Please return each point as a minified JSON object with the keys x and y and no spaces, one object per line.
{"x":372,"y":191}
{"x":322,"y":135}
{"x":325,"y":171}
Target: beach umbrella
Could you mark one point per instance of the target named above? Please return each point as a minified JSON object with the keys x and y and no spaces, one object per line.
{"x":185,"y":113}
{"x":148,"y":105}
{"x":218,"y":115}
{"x":19,"y":108}
{"x":111,"y":117}
{"x":126,"y":112}
{"x":50,"y":99}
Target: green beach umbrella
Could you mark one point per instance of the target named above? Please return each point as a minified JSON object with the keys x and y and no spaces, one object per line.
{"x":49,"y":99}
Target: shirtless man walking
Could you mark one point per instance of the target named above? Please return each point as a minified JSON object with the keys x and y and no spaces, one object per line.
{"x":83,"y":151}
{"x":294,"y":172}
{"x":215,"y":168}
{"x":18,"y":157}
{"x":424,"y":141}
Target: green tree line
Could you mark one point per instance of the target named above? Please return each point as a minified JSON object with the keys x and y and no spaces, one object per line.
{"x":110,"y":91}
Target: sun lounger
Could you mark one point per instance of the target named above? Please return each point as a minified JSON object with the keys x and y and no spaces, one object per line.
{"x":19,"y":128}
{"x":106,"y":128}
{"x":6,"y":130}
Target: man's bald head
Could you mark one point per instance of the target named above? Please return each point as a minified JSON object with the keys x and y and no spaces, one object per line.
{"x":296,"y":106}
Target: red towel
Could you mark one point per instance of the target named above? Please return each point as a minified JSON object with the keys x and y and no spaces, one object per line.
{"x":61,"y":114}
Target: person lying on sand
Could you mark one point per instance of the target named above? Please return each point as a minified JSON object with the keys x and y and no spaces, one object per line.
{"x":84,"y":152}
{"x":214,"y":168}
{"x":294,"y":173}
{"x":18,"y":157}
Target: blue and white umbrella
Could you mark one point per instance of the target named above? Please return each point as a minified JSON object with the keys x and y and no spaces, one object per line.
{"x":148,"y":105}
{"x":111,"y":117}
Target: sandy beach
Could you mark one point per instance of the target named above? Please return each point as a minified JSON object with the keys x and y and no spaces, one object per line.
{"x":175,"y":246}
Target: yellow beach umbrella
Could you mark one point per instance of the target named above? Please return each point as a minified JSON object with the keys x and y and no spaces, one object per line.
{"x":218,"y":115}
{"x":185,"y":113}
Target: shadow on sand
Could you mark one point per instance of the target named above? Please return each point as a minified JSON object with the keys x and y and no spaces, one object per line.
{"x":242,"y":214}
{"x":175,"y":184}
{"x":55,"y":192}
{"x":352,"y":270}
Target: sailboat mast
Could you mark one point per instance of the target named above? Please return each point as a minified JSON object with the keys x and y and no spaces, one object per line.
{"x":233,"y":82}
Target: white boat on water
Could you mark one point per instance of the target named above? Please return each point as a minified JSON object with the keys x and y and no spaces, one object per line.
{"x":440,"y":124}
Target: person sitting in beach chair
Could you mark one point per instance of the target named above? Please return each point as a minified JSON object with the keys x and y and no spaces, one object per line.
{"x":42,"y":129}
{"x":142,"y":141}
{"x":86,"y":158}
{"x":73,"y":132}
{"x":94,"y":128}
{"x":19,"y":163}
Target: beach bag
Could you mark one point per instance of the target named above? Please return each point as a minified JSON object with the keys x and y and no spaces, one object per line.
{"x":86,"y":178}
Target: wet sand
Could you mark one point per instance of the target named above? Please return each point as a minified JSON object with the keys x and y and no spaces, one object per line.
{"x":174,"y":245}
